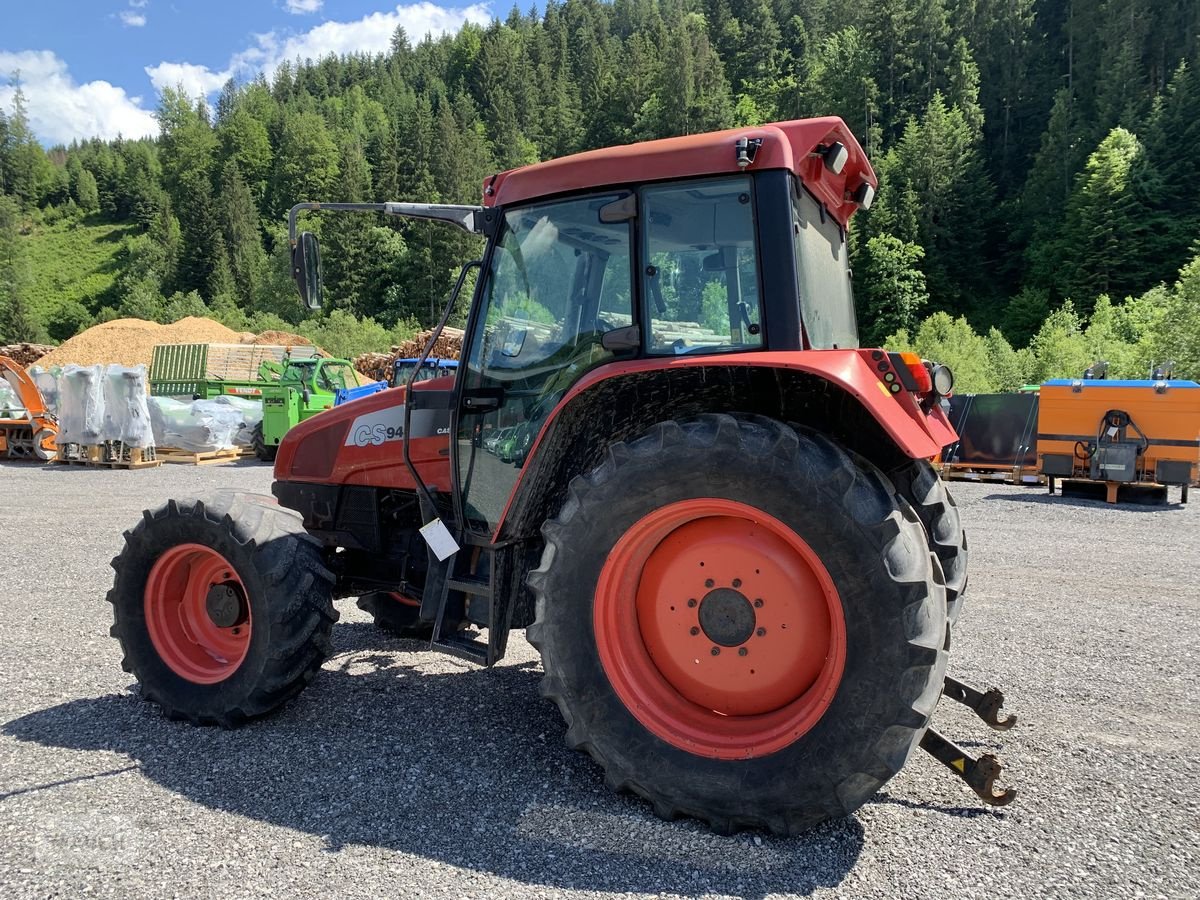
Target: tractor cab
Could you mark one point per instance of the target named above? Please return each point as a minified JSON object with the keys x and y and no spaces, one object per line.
{"x":585,"y":270}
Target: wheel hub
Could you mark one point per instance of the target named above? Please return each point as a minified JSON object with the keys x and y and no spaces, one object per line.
{"x":727,"y":617}
{"x":225,"y":605}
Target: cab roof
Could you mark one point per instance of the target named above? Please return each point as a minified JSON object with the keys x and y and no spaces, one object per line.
{"x":785,"y":145}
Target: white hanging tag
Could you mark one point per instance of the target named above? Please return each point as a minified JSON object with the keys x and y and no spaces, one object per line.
{"x":439,"y":539}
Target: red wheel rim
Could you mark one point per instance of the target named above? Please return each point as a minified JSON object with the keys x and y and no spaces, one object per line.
{"x":719,"y":628}
{"x":180,"y":614}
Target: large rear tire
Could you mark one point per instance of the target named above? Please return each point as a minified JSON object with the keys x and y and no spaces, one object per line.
{"x":919,"y":484}
{"x":705,"y":538}
{"x":223,"y":607}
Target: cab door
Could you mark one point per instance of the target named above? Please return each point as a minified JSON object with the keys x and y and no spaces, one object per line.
{"x":558,"y":278}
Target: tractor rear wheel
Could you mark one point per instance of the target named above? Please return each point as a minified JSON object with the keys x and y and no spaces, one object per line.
{"x":919,"y":484}
{"x":223,"y":607}
{"x":740,"y":622}
{"x":264,"y":451}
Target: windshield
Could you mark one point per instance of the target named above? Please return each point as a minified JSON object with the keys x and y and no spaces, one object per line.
{"x":336,"y":377}
{"x":822,"y":276}
{"x":403,"y":369}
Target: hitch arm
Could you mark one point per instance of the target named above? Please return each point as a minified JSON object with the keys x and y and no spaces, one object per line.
{"x":986,"y":705}
{"x":979,"y":774}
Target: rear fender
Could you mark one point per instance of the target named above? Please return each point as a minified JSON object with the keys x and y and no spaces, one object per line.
{"x":834,"y":391}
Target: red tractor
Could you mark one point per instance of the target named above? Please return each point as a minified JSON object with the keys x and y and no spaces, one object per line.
{"x":663,"y":454}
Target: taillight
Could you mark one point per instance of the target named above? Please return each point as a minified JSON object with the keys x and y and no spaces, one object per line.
{"x":920,"y":374}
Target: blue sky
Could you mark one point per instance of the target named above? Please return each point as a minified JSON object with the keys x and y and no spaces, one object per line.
{"x":95,"y":67}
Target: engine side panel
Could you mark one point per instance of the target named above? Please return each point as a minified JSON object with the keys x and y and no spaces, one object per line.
{"x":361,"y":442}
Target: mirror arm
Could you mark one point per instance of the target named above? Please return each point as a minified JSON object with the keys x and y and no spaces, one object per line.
{"x":468,"y":218}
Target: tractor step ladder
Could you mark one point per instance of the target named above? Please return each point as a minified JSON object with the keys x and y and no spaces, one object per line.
{"x":452,"y":585}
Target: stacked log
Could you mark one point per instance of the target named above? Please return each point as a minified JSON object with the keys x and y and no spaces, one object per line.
{"x":24,"y":354}
{"x":379,"y":365}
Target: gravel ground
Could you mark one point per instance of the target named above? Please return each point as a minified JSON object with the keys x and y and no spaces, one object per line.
{"x":401,"y":773}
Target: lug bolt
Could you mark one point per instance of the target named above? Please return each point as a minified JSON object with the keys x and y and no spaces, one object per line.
{"x":737,"y":582}
{"x":742,"y":651}
{"x":761,"y":632}
{"x":758,"y":603}
{"x":692,"y":602}
{"x":708,"y":582}
{"x":695,"y":631}
{"x":716,"y":651}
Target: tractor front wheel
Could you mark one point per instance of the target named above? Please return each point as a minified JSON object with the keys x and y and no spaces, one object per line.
{"x":264,"y":451}
{"x":740,"y":622}
{"x":223,"y":607}
{"x":396,"y":614}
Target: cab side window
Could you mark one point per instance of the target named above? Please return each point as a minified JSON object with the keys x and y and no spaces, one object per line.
{"x":700,"y":275}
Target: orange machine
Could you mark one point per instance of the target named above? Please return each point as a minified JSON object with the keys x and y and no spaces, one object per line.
{"x":27,"y":427}
{"x":1120,"y":433}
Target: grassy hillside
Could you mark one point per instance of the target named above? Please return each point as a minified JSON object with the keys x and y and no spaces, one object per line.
{"x":73,"y":260}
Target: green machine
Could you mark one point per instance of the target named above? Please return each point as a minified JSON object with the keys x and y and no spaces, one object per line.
{"x":304,"y":387}
{"x":293,"y":383}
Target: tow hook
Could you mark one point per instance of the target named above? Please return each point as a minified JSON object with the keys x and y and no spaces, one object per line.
{"x":986,"y":704}
{"x":979,"y":774}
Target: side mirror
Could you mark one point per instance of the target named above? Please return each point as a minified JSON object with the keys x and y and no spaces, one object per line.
{"x":514,"y":342}
{"x":306,"y":269}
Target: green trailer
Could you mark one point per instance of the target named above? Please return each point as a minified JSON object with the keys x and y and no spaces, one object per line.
{"x":205,"y":371}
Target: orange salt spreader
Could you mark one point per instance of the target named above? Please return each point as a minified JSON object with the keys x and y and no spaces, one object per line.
{"x":1120,"y":433}
{"x":27,"y":427}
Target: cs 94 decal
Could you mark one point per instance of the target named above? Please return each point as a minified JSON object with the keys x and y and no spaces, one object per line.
{"x":387,"y":425}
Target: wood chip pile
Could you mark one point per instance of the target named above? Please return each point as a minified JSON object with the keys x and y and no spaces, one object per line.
{"x":379,"y":365}
{"x":25,"y":354}
{"x":130,"y":342}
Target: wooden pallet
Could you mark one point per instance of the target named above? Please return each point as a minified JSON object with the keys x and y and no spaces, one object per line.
{"x":110,"y":455}
{"x":995,"y":474}
{"x":204,"y":458}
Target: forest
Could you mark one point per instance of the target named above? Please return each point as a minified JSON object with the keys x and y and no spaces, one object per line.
{"x":1039,"y":166}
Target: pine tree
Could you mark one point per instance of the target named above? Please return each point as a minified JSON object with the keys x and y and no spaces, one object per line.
{"x":306,"y":162}
{"x":239,"y":227}
{"x":889,"y":287}
{"x":86,"y":193}
{"x":347,"y":265}
{"x":1109,"y":242}
{"x":17,"y":319}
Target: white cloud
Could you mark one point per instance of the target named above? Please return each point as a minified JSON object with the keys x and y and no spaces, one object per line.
{"x":139,"y":4}
{"x":195,"y":80}
{"x":132,"y":19}
{"x":61,"y":110}
{"x":370,"y":34}
{"x":303,"y":7}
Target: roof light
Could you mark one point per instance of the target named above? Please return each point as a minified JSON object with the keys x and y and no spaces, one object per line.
{"x":864,"y":195}
{"x":943,"y":379}
{"x":836,"y":156}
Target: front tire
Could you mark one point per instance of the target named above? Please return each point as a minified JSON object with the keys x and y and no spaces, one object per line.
{"x":223,"y":607}
{"x":661,"y":695}
{"x":396,"y":614}
{"x":264,"y":451}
